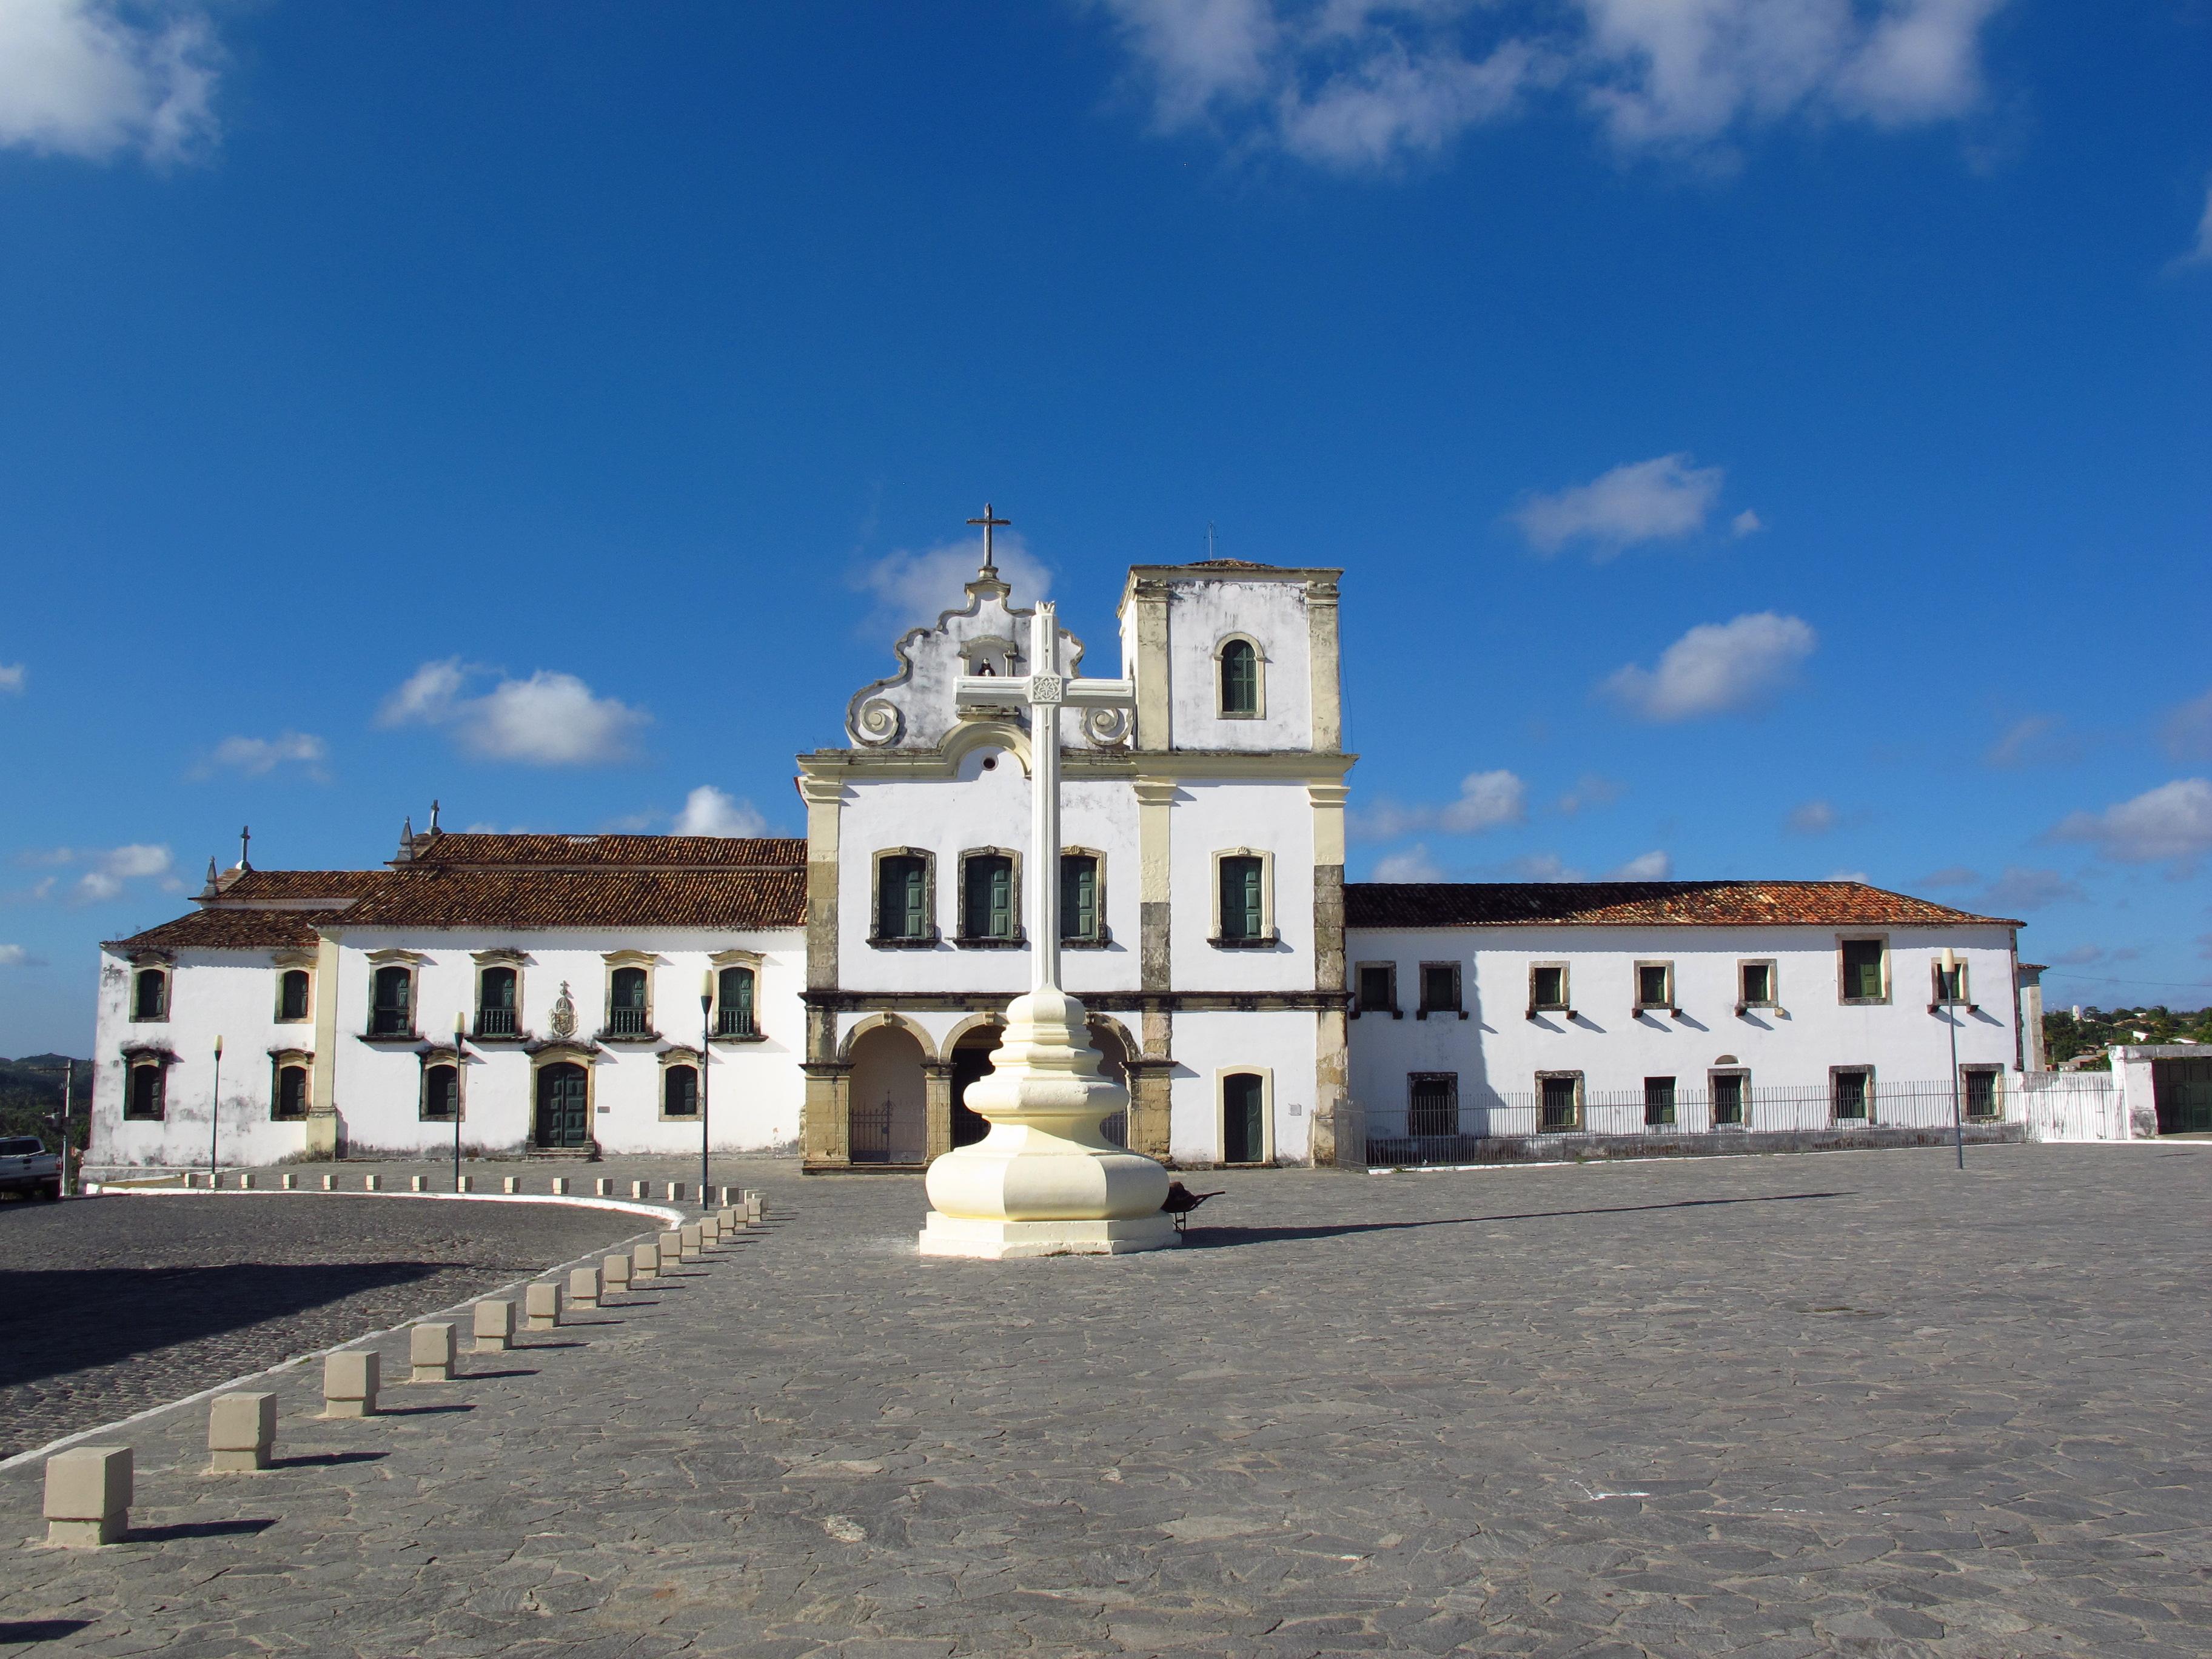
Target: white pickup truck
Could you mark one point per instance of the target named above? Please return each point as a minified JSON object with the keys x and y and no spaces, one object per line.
{"x":27,"y":1167}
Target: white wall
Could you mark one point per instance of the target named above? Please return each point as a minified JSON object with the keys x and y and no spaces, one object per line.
{"x":1498,"y":1048}
{"x":227,"y":993}
{"x":1207,"y":818}
{"x":1280,"y":1043}
{"x":1203,"y":612}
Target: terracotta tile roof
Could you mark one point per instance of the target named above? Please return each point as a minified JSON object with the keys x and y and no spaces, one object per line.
{"x":733,"y":899}
{"x":258,"y":929}
{"x":1627,"y":903}
{"x":263,"y":885}
{"x":605,"y":851}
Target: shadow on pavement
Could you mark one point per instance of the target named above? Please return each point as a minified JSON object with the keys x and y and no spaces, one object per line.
{"x":1215,"y":1238}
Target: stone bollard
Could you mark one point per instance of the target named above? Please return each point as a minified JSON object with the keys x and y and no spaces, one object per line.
{"x":494,"y":1326}
{"x":291,"y":1181}
{"x":89,"y":1495}
{"x":371,"y":1183}
{"x":731,"y":1221}
{"x":329,"y":1183}
{"x":560,"y":1186}
{"x":467,"y":1184}
{"x":645,"y":1260}
{"x":241,"y":1432}
{"x":725,"y":1197}
{"x":710,"y":1231}
{"x":510,"y":1184}
{"x":756,"y":1209}
{"x":639,"y":1188}
{"x":431,"y":1353}
{"x":672,"y":1248}
{"x":694,"y":1240}
{"x":604,"y":1187}
{"x":418,"y":1183}
{"x":584,"y":1287}
{"x":614,"y":1276}
{"x":349,"y":1380}
{"x":542,"y":1303}
{"x":246,"y":1181}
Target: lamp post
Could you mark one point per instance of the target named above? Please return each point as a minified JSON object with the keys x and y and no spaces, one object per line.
{"x":215,"y":1118}
{"x":62,"y":1117}
{"x":706,"y":1057}
{"x":1951,"y":1020}
{"x":460,"y":1026}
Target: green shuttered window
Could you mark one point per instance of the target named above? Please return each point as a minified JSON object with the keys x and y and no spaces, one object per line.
{"x":1242,"y":898}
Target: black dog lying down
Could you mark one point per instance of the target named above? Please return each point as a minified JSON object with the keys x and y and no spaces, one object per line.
{"x":1181,"y":1201}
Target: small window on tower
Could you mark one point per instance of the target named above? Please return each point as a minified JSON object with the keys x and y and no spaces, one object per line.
{"x":1081,"y":922}
{"x":1239,"y":679}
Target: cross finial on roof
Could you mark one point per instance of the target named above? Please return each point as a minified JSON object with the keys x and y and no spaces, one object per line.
{"x":433,"y":818}
{"x":989,"y":522}
{"x":244,"y":842}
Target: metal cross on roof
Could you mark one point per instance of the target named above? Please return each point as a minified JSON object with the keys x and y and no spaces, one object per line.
{"x":989,"y":524}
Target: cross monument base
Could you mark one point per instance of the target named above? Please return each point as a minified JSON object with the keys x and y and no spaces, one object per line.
{"x":1045,"y":1180}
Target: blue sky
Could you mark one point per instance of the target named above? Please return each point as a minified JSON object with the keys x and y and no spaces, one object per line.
{"x":1762,"y":437}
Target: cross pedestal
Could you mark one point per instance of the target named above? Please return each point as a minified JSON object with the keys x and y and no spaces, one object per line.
{"x":1045,"y":1180}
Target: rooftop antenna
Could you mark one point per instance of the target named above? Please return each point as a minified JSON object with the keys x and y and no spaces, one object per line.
{"x":244,"y":842}
{"x":1209,"y":538}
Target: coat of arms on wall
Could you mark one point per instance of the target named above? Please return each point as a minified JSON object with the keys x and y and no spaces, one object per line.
{"x":564,"y":1019}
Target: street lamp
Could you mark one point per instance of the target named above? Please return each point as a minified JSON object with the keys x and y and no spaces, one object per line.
{"x":460,"y":1026}
{"x":706,"y":1057}
{"x":1951,"y":1020}
{"x":68,"y":1069}
{"x":214,"y":1117}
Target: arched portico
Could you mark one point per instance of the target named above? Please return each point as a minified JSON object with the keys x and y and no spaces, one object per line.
{"x":888,"y":1093}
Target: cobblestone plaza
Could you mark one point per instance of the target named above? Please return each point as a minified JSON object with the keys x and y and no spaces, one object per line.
{"x":1854,"y":1402}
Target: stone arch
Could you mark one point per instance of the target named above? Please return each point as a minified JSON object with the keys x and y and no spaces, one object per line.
{"x":888,"y":1094}
{"x":967,"y":1049}
{"x":1116,"y":1048}
{"x":971,"y":735}
{"x":881,"y":1022}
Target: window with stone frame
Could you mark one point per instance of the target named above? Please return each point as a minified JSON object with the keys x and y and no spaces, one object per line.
{"x":1864,"y":965}
{"x":1979,"y":1089}
{"x":1658,"y":1102}
{"x":146,"y":1090}
{"x":1756,"y":985}
{"x":1851,"y":1093}
{"x":902,"y":899}
{"x":987,"y":899}
{"x":733,"y":1003}
{"x":392,"y":1001}
{"x":1377,"y":986}
{"x":150,"y":995}
{"x":1558,"y":1101}
{"x":441,"y":1089}
{"x":287,"y":1097}
{"x":679,"y":1091}
{"x":1731,"y":1097}
{"x":1948,"y":990}
{"x":294,"y":988}
{"x":629,"y":1011}
{"x":499,"y":995}
{"x":1431,"y":1103}
{"x":1440,"y":989}
{"x":1239,"y":679}
{"x":1654,"y":986}
{"x":1244,"y":899}
{"x":1547,"y":986}
{"x":1082,"y":917}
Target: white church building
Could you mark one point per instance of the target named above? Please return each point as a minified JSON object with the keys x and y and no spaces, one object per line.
{"x":834,"y":995}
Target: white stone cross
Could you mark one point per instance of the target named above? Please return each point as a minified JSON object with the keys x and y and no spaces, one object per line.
{"x":1043,"y":691}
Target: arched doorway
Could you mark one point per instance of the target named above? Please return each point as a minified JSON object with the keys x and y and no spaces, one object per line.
{"x":971,"y":1059}
{"x":564,"y":1105}
{"x":1114,"y":1062}
{"x":889,"y":1123}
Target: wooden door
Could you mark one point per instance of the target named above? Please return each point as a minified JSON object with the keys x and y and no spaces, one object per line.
{"x":564,"y":1111}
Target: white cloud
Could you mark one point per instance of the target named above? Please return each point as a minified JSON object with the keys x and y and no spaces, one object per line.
{"x":912,"y":590}
{"x":104,"y":872}
{"x":15,"y":955}
{"x":1951,"y":875}
{"x":551,"y":719}
{"x":93,"y":78}
{"x":1486,"y":799}
{"x":2187,"y":732}
{"x":1812,"y":817}
{"x":1543,"y":866}
{"x":1358,"y":84}
{"x":709,"y":811}
{"x":2200,"y":253}
{"x":1659,"y":500}
{"x":1413,"y":864}
{"x":2035,"y":741}
{"x":1859,"y":876}
{"x":1592,"y":790}
{"x":2169,"y":824}
{"x":1746,"y":523}
{"x":1717,"y":668}
{"x":12,"y":676}
{"x":256,"y":757}
{"x":2019,"y":889}
{"x":1655,"y":866}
